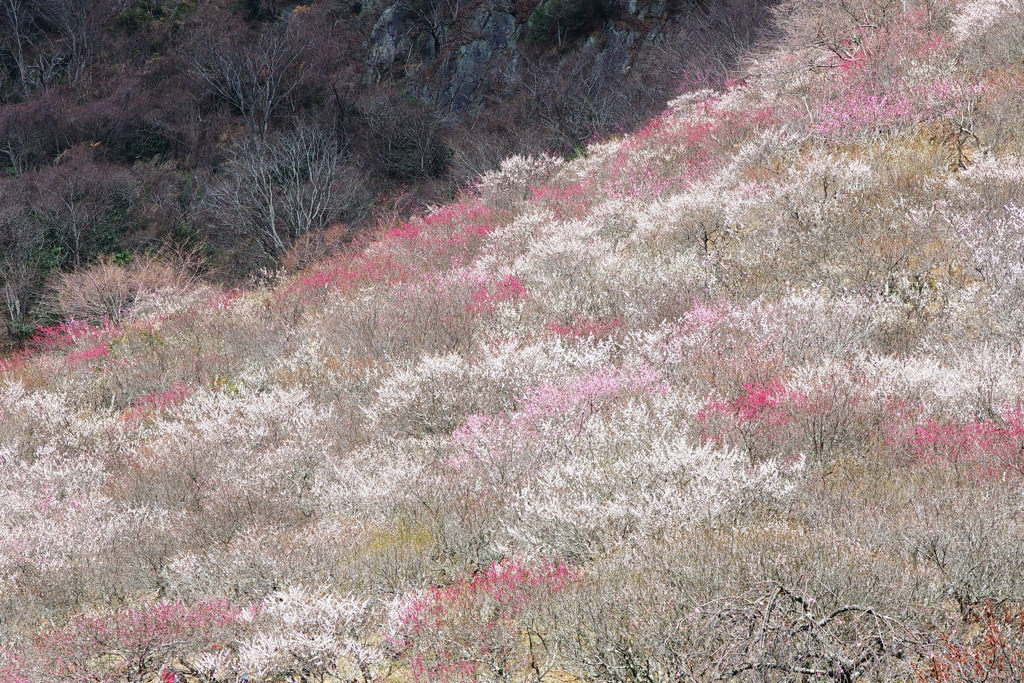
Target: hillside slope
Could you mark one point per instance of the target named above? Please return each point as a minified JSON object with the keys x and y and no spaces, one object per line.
{"x":737,"y":397}
{"x":241,"y":130}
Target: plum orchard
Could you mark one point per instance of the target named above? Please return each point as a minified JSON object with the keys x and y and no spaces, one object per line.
{"x":734,"y":398}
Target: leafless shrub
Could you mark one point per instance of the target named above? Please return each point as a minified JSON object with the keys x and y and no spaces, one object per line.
{"x":109,"y":290}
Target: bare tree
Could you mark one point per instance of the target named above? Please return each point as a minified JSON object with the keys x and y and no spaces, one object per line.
{"x":18,"y":282}
{"x":19,"y":239}
{"x":83,"y":203}
{"x":279,"y":188}
{"x":256,"y":77}
{"x":78,"y":23}
{"x":436,"y":16}
{"x":16,"y":22}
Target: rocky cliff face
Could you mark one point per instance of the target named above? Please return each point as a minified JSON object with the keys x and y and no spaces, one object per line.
{"x":454,"y":54}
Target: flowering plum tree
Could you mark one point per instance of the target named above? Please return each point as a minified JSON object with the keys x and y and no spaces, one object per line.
{"x":130,"y":645}
{"x":480,"y":628}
